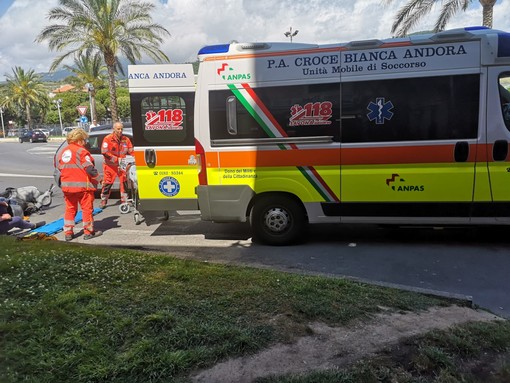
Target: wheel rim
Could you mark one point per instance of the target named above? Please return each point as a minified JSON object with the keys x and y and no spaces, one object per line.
{"x":277,"y":220}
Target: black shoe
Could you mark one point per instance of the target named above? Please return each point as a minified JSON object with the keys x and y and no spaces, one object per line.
{"x":93,"y":235}
{"x":39,"y":224}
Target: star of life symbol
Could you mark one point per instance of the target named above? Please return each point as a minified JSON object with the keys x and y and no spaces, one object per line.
{"x":169,"y":186}
{"x":380,"y":110}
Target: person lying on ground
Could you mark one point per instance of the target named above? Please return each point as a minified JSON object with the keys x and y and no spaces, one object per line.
{"x":9,"y":221}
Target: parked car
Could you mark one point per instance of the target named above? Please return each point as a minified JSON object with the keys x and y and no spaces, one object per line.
{"x":127,"y":125}
{"x":67,"y":130}
{"x":35,"y":135}
{"x":46,"y":132}
{"x":93,"y":145}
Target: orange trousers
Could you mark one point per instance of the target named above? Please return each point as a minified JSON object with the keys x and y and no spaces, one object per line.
{"x":109,"y":175}
{"x":86,"y":201}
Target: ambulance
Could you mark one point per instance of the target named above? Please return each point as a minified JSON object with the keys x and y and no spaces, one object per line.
{"x":162,"y":112}
{"x":411,"y":130}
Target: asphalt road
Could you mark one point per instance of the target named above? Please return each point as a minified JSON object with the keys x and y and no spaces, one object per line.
{"x":464,"y":262}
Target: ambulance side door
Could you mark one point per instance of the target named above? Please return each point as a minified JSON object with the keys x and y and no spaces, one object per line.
{"x":498,"y":138}
{"x":407,"y":147}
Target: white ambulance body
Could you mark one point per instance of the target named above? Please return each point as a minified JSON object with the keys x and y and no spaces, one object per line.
{"x":400,"y":131}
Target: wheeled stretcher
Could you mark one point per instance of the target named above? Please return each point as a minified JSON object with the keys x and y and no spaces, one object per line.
{"x":131,"y":186}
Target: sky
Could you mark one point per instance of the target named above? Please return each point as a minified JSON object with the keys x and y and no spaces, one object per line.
{"x":196,"y":23}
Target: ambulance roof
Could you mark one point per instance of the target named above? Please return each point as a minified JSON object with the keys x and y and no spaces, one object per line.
{"x":498,"y":40}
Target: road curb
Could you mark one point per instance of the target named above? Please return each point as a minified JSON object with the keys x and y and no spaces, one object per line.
{"x":465,"y":300}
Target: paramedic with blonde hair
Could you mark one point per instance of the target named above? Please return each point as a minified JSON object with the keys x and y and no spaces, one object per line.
{"x":79,"y":179}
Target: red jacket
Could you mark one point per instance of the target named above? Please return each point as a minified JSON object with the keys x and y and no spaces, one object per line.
{"x":77,"y":171}
{"x":115,"y":148}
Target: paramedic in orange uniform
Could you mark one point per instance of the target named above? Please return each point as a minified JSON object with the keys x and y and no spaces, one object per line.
{"x":115,"y":147}
{"x":79,"y":179}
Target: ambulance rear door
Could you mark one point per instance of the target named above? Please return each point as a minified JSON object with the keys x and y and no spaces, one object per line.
{"x":498,"y":138}
{"x":162,"y":108}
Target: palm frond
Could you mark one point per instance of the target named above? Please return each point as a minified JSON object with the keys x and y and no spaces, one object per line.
{"x":449,"y":9}
{"x":410,"y":14}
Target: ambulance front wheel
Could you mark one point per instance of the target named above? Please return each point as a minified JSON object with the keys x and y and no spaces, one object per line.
{"x":278,"y":220}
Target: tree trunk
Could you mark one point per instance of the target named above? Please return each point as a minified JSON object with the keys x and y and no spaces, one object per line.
{"x":109,"y":60}
{"x":29,"y":117}
{"x":488,"y":8}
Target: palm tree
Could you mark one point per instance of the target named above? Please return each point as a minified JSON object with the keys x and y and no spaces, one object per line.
{"x":25,"y":90}
{"x":107,"y":27}
{"x":412,"y":12}
{"x":88,"y":71}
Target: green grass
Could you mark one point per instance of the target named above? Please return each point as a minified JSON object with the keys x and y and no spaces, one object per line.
{"x":73,"y":313}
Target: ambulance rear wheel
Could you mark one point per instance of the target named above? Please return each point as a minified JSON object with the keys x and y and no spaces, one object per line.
{"x":278,"y":220}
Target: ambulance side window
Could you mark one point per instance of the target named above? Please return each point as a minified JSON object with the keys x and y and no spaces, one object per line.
{"x":282,"y":111}
{"x":411,"y":109}
{"x":162,"y":119}
{"x":504,"y":96}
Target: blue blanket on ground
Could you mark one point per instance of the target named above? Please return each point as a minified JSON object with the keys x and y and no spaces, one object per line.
{"x":58,"y":225}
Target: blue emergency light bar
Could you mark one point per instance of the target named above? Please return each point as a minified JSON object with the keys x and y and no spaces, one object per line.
{"x":504,"y":45}
{"x":223,"y":48}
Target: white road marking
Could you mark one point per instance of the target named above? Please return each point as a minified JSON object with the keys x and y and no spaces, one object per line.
{"x":23,"y":175}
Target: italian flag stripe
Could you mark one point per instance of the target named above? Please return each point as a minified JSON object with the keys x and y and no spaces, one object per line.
{"x":254,"y":105}
{"x":267,"y":113}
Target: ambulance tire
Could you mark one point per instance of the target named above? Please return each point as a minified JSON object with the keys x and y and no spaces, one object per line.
{"x":278,"y":220}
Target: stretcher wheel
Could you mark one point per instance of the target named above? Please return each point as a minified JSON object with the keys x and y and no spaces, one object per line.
{"x":124,"y":208}
{"x":138,"y":218}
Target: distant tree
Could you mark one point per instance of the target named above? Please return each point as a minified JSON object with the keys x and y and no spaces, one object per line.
{"x":69,"y":113}
{"x":107,"y":27}
{"x":415,"y":10}
{"x":89,"y":73}
{"x":124,"y":107}
{"x":123,"y":91}
{"x":24,"y":90}
{"x":100,"y":112}
{"x":103,"y":97}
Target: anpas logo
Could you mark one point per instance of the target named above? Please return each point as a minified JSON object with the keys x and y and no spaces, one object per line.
{"x":380,"y":110}
{"x":398,"y":184}
{"x":227,"y":73}
{"x":192,"y":160}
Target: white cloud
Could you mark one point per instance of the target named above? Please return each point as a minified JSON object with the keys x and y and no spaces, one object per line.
{"x":196,"y":23}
